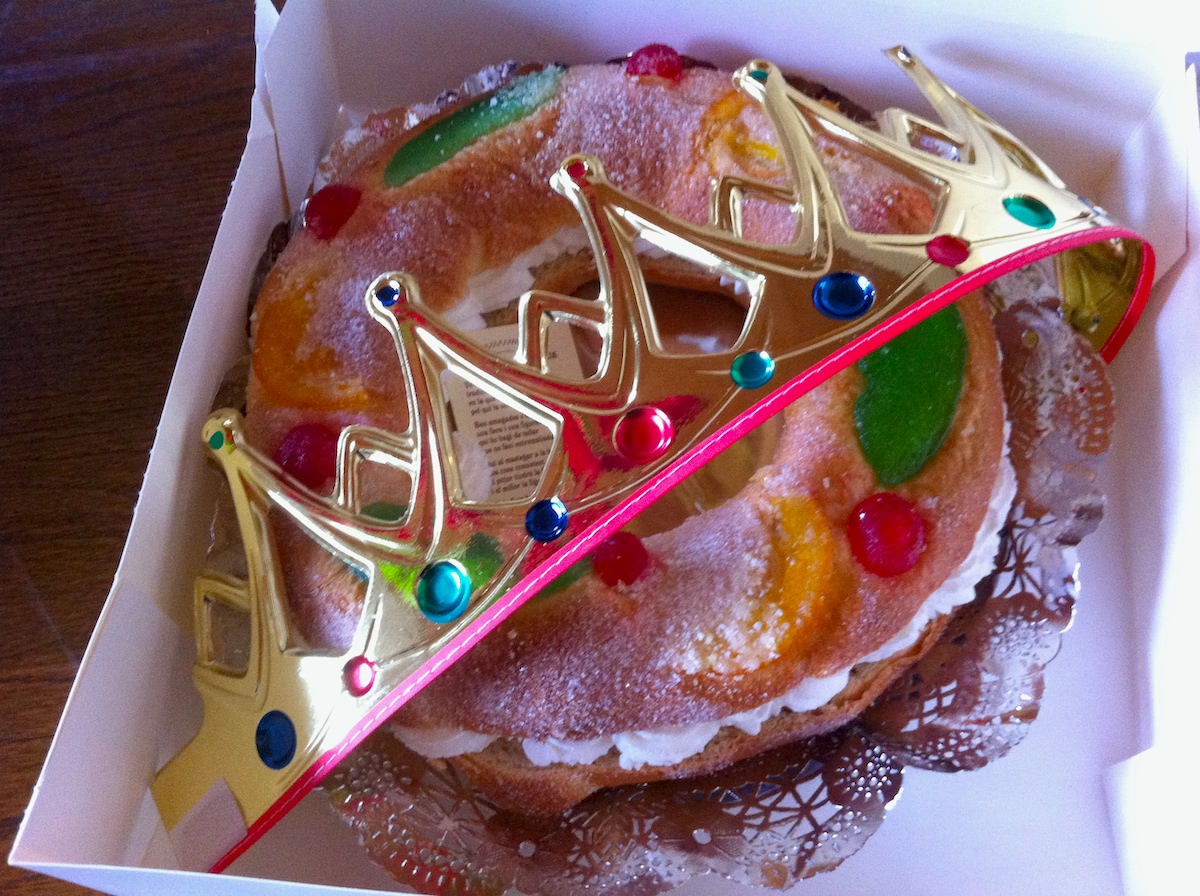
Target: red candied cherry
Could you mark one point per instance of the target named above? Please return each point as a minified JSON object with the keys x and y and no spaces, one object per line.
{"x":308,"y":453}
{"x":655,"y":59}
{"x":329,"y":209}
{"x":887,"y":535}
{"x":620,"y":558}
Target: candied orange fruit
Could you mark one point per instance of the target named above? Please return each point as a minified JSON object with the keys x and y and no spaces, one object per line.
{"x":797,"y":605}
{"x":730,"y":144}
{"x":289,"y":372}
{"x":807,"y":588}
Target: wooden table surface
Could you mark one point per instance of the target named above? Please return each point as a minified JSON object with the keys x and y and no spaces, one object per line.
{"x":121,"y":126}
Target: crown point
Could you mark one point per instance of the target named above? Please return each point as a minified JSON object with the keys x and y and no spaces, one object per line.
{"x":644,"y":433}
{"x":752,"y":369}
{"x":546,"y":520}
{"x":444,"y":590}
{"x":1030,"y":211}
{"x":843,"y":295}
{"x":948,"y":250}
{"x":389,"y":291}
{"x":275,"y":740}
{"x":359,"y":676}
{"x":577,"y":170}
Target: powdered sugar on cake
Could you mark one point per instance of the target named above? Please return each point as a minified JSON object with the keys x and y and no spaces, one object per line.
{"x":669,"y":746}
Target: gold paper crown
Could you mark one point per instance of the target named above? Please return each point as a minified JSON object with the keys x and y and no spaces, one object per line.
{"x":278,"y":715}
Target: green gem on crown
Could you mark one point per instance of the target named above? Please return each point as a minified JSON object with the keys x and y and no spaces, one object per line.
{"x":443,"y":139}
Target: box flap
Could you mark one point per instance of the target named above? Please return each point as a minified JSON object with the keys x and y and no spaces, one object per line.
{"x":1155,"y":793}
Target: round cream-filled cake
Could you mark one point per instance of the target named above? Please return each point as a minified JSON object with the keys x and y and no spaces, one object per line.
{"x":779,"y":611}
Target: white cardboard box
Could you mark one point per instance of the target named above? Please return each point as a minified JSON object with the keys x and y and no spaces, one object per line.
{"x":1104,"y":97}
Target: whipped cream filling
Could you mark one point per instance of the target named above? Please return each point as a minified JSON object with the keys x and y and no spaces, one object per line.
{"x":497,"y":288}
{"x":669,"y":746}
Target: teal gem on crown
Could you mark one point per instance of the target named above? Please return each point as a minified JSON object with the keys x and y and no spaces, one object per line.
{"x":752,"y":369}
{"x":444,"y":590}
{"x":1030,"y":211}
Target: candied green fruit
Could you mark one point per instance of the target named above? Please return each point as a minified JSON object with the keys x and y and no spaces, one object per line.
{"x":911,"y":390}
{"x":443,"y":139}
